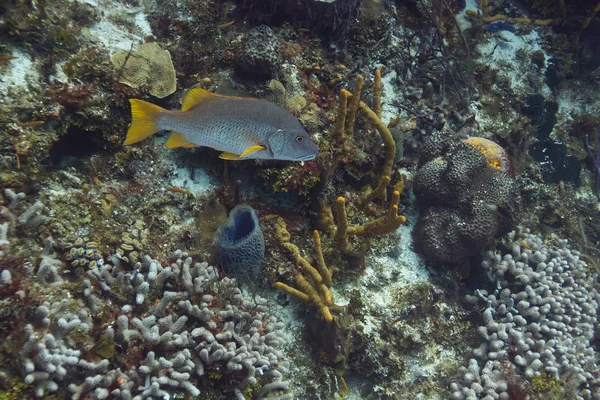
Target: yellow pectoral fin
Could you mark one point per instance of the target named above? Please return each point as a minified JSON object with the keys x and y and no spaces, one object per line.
{"x":251,"y":150}
{"x":178,"y":140}
{"x":229,"y":156}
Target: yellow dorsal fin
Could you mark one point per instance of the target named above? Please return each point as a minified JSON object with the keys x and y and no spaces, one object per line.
{"x":178,"y":140}
{"x":194,"y":97}
{"x":229,"y":156}
{"x":251,"y":150}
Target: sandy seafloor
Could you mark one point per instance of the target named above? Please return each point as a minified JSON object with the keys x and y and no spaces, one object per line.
{"x":416,"y":364}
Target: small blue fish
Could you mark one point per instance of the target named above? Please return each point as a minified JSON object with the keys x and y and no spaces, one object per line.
{"x":497,"y":26}
{"x":241,"y":127}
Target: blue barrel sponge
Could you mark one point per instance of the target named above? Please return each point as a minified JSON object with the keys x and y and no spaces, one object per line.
{"x":240,"y":243}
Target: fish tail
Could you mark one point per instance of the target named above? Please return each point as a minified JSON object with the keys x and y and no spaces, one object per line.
{"x":143,"y":121}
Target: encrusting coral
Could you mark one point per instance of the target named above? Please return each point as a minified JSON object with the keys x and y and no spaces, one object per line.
{"x":148,"y":65}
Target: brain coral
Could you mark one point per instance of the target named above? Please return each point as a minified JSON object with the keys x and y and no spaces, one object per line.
{"x":465,"y":203}
{"x":260,"y":54}
{"x":148,"y":65}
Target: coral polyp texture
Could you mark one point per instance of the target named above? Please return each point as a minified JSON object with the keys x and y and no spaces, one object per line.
{"x":465,"y":202}
{"x":495,"y":155}
{"x":260,"y":54}
{"x":148,"y":65}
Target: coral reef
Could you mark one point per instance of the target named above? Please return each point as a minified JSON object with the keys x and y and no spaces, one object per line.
{"x":329,"y":20}
{"x":210,"y":326}
{"x":27,"y":220}
{"x":538,"y":324}
{"x":475,"y":120}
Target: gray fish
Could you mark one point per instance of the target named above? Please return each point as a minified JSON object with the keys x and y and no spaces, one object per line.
{"x":241,"y":127}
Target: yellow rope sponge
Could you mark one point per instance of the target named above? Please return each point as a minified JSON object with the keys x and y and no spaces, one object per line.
{"x":316,"y":290}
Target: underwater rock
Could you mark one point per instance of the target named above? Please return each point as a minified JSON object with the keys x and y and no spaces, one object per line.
{"x":466,"y":202}
{"x":241,"y":245}
{"x":147,"y":65}
{"x":260,"y":54}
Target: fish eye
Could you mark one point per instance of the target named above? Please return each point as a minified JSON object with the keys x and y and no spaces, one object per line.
{"x":299,"y":138}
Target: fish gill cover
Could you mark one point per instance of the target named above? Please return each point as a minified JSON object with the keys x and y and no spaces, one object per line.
{"x":409,"y":193}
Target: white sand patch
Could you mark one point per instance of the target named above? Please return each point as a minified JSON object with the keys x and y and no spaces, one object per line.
{"x":196,"y":181}
{"x":110,"y":33}
{"x":19,"y":73}
{"x":510,"y":55}
{"x":462,"y":18}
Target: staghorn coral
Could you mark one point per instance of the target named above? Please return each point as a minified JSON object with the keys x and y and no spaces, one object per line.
{"x":194,"y":325}
{"x":230,"y":333}
{"x":20,"y":221}
{"x":19,"y":218}
{"x":49,"y":353}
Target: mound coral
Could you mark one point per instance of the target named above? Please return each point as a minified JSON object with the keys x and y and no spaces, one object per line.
{"x":465,"y":202}
{"x":260,"y":54}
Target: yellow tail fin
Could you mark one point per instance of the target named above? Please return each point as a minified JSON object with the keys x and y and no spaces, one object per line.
{"x":143,"y":121}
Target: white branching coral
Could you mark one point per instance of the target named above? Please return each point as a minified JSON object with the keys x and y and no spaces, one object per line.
{"x":540,"y":320}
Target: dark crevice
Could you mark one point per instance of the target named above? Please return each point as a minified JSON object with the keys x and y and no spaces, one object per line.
{"x":75,"y":148}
